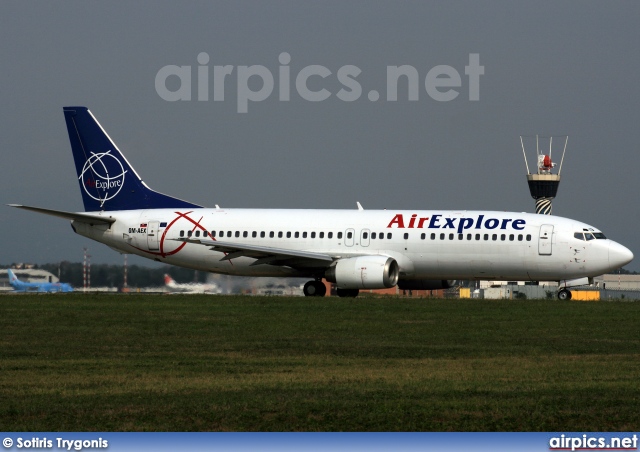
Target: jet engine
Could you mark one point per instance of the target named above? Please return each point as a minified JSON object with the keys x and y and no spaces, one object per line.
{"x":364,"y":272}
{"x":426,"y":284}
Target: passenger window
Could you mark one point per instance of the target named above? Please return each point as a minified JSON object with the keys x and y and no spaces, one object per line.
{"x":423,"y":236}
{"x":304,"y":235}
{"x":321,"y":235}
{"x":237,"y":233}
{"x":349,"y":235}
{"x":245,"y":234}
{"x":511,"y":237}
{"x":262,"y":234}
{"x":433,"y":236}
{"x":381,"y":236}
{"x":365,"y":235}
{"x":288,"y":234}
{"x":254,"y":234}
{"x":373,"y":235}
{"x":296,"y":235}
{"x":272,"y":234}
{"x":181,"y":233}
{"x":442,"y":236}
{"x":528,"y":237}
{"x":519,"y":237}
{"x":313,"y":235}
{"x":486,"y":236}
{"x":450,"y":236}
{"x":460,"y":236}
{"x":477,"y":236}
{"x":329,"y":235}
{"x":189,"y":233}
{"x":339,"y":235}
{"x":389,"y":236}
{"x":494,"y":237}
{"x":406,"y":235}
{"x":280,"y":234}
{"x":197,"y":233}
{"x":503,"y":236}
{"x":469,"y":236}
{"x":213,"y":234}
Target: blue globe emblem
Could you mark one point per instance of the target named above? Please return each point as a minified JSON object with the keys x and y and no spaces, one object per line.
{"x":102,"y":176}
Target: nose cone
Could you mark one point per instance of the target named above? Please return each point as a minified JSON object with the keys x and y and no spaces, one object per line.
{"x":619,"y":255}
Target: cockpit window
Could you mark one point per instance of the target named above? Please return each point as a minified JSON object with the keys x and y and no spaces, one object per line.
{"x":586,"y":235}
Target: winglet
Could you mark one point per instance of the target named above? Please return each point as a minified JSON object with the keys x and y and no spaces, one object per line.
{"x":359,"y":205}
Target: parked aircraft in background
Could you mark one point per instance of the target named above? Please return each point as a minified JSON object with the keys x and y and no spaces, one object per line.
{"x":355,"y":249}
{"x":173,"y":286}
{"x":21,"y":286}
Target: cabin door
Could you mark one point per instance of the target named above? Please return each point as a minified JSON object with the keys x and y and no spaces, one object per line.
{"x":544,"y":240}
{"x":153,"y":241}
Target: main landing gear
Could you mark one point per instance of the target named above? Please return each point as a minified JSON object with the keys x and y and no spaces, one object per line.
{"x":564,"y":294}
{"x":347,"y":293}
{"x":318,"y":289}
{"x":314,"y":289}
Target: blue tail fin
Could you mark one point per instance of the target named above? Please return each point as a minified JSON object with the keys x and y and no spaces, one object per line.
{"x":12,"y":277}
{"x":107,"y":180}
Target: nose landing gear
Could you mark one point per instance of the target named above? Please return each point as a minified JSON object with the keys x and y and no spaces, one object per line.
{"x":564,"y":294}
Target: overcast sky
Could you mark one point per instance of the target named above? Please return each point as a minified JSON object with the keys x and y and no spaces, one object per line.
{"x":550,"y":68}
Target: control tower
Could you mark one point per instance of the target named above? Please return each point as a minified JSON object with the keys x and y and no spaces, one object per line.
{"x":543,"y":184}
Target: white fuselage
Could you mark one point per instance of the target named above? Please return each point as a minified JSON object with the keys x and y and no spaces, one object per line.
{"x":426,"y":244}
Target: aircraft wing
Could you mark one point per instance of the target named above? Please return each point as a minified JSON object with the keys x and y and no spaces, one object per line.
{"x":265,"y":254}
{"x":75,"y":216}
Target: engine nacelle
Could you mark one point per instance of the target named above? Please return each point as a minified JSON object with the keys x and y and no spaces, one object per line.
{"x":364,"y":272}
{"x":426,"y":284}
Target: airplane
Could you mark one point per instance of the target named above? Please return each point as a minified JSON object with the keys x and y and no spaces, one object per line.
{"x":175,"y":287}
{"x":354,"y":249}
{"x":20,"y":286}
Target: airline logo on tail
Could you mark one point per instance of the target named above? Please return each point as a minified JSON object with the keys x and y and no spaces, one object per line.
{"x":102,"y":175}
{"x":107,"y":181}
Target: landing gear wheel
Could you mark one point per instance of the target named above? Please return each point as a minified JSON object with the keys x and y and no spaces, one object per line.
{"x":564,"y":294}
{"x":314,"y":289}
{"x":347,"y":293}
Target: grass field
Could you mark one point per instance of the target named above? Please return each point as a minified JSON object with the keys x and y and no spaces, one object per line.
{"x":78,"y":362}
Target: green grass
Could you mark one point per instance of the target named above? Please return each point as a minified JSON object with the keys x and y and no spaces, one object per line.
{"x":183,"y":363}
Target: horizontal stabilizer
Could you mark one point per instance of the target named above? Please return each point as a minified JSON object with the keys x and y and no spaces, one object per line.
{"x":75,"y":216}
